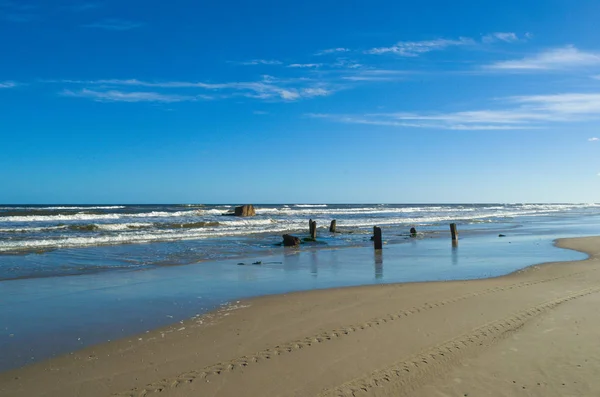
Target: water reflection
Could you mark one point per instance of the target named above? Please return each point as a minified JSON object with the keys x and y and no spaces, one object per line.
{"x":314,"y":264}
{"x":454,"y":253}
{"x":378,"y":263}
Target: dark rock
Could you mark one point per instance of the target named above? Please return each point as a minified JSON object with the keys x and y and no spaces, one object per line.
{"x":257,"y":263}
{"x":241,"y":264}
{"x":290,"y":241}
{"x":502,"y":235}
{"x":413,"y":232}
{"x":245,"y":210}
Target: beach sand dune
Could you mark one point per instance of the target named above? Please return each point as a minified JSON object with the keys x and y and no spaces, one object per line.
{"x":531,"y":333}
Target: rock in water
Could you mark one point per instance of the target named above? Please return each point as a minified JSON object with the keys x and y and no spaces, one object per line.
{"x":245,"y":210}
{"x":413,"y":232}
{"x":290,"y":241}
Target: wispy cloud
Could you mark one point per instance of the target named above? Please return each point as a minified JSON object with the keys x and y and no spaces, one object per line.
{"x":114,"y":24}
{"x":7,"y":84}
{"x":269,"y":88}
{"x":333,"y":51}
{"x":524,"y":112}
{"x":261,"y":62}
{"x":260,"y":112}
{"x":562,"y":104}
{"x":305,"y":65}
{"x":507,"y":37}
{"x":416,"y":48}
{"x":594,"y":139}
{"x":553,"y":59}
{"x":344,"y":63}
{"x":378,"y":75}
{"x":121,"y":96}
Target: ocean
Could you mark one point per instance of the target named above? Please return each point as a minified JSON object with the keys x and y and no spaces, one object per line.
{"x":45,"y":241}
{"x":75,"y":275}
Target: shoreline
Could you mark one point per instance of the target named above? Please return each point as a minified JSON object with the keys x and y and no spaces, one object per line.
{"x":166,"y":351}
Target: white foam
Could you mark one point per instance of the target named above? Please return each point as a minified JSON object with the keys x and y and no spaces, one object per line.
{"x":89,"y":217}
{"x":31,"y":229}
{"x":111,"y":207}
{"x":122,"y":226}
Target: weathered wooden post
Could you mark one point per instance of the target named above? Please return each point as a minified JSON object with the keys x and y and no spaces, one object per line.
{"x":377,"y":243}
{"x":454,"y":232}
{"x":313,"y":230}
{"x":332,"y":226}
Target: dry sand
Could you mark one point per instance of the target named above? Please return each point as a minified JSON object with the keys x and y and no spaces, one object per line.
{"x":532,"y":333}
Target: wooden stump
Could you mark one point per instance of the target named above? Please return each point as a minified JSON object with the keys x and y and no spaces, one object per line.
{"x":332,"y":226}
{"x":313,"y":230}
{"x":454,"y":232}
{"x":377,"y":242}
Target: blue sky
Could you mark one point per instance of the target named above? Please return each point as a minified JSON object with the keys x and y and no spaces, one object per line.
{"x":313,"y":101}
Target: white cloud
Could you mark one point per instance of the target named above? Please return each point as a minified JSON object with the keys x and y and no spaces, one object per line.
{"x":7,"y":84}
{"x":305,"y":65}
{"x":507,"y":37}
{"x":594,"y":139}
{"x":391,"y":121}
{"x":121,"y":96}
{"x":524,"y":112}
{"x":557,"y":58}
{"x":377,"y":75}
{"x":269,"y":88}
{"x":562,"y":104}
{"x":114,"y":24}
{"x":333,"y":51}
{"x":416,"y":48}
{"x":261,"y":62}
{"x":344,"y":63}
{"x":260,"y":112}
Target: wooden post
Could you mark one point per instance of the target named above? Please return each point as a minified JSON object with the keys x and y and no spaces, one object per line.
{"x":332,"y":226}
{"x":313,"y":230}
{"x":454,"y":232}
{"x":377,"y":243}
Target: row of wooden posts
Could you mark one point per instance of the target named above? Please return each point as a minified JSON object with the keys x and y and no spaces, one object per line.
{"x":377,"y":239}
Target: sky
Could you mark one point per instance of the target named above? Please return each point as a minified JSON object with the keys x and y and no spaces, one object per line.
{"x":299,"y":102}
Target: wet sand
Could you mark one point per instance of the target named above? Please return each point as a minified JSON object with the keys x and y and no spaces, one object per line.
{"x":530,"y":333}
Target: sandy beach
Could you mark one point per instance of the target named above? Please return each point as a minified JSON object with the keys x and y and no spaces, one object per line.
{"x":530,"y":333}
